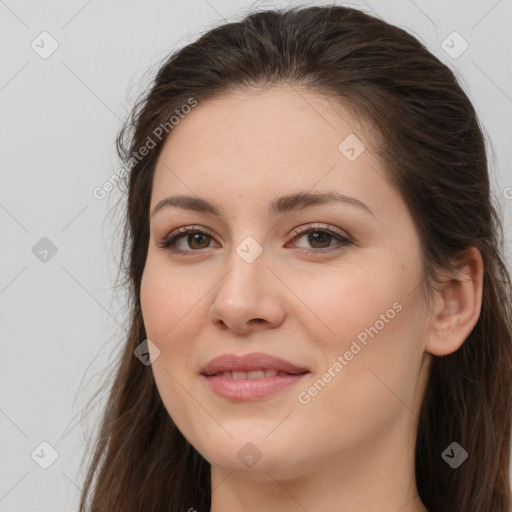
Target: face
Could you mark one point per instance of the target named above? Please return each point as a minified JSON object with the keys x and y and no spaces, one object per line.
{"x":330,"y":287}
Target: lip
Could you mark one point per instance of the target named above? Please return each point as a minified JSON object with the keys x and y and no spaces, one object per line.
{"x":251,"y":388}
{"x":248,"y":362}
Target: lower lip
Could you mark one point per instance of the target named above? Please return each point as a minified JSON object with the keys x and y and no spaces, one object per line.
{"x":250,"y":389}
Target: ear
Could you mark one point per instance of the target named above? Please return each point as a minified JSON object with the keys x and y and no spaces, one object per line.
{"x":457,"y":307}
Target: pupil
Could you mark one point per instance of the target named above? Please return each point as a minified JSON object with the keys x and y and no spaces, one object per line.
{"x":319,"y":237}
{"x":194,"y":237}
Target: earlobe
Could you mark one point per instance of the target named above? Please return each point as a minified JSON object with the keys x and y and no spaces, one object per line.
{"x":458,"y":307}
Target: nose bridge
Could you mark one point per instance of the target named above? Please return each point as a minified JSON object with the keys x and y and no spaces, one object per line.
{"x":247,"y":269}
{"x":244,"y":292}
{"x":246,"y":258}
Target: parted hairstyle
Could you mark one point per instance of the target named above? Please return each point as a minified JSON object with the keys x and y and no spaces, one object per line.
{"x":434,"y":152}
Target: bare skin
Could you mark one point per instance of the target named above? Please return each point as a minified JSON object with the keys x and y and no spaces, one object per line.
{"x":350,"y":445}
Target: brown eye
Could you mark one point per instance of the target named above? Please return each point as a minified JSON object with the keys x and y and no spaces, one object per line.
{"x":320,"y":239}
{"x":195,"y":240}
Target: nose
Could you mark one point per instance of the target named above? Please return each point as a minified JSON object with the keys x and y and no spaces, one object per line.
{"x":248,"y":298}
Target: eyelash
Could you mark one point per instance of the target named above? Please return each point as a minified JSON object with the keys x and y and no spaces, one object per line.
{"x":170,"y":241}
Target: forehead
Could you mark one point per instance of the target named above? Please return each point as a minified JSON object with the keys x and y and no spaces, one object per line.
{"x":263,"y":143}
{"x":287,"y":120}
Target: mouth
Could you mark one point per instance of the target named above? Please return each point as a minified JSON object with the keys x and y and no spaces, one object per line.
{"x":255,"y":365}
{"x":251,"y":376}
{"x":240,"y":386}
{"x":254,"y":374}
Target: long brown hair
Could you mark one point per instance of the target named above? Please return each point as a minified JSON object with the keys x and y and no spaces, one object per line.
{"x":435,"y":155}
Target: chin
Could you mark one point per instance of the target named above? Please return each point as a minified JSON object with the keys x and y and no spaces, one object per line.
{"x":253,"y":453}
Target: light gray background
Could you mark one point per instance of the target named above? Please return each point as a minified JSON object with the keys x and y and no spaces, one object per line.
{"x":61,"y":319}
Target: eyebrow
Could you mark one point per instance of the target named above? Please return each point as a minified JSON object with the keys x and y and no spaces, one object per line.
{"x":280,"y":205}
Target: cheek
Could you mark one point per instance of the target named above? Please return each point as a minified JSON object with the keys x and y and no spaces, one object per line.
{"x":168,"y":318}
{"x":171,"y":307}
{"x":368,"y":318}
{"x":346,"y":303}
{"x":166,"y":300}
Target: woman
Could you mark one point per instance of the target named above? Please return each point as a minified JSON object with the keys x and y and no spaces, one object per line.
{"x":317,"y":278}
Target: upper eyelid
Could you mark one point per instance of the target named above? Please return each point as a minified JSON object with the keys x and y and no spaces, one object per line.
{"x":302,"y":229}
{"x":320,"y":227}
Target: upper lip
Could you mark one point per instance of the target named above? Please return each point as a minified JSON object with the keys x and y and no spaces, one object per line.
{"x":248,"y":362}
